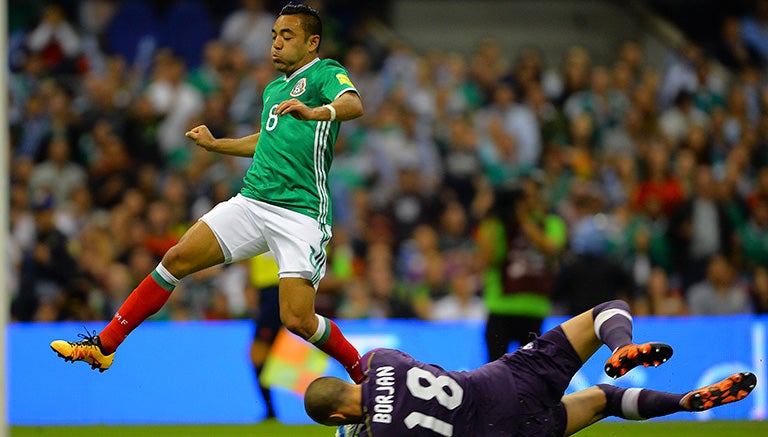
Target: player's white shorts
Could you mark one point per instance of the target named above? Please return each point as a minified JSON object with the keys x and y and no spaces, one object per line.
{"x":246,"y":227}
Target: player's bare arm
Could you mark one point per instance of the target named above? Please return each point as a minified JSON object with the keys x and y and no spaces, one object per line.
{"x":244,"y":146}
{"x":347,"y":106}
{"x":536,"y":234}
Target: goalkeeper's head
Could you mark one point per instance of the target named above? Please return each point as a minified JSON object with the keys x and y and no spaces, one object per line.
{"x":331,"y":401}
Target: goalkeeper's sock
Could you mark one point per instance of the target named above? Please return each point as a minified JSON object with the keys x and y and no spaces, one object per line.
{"x":145,"y":300}
{"x":639,"y":403}
{"x":329,"y":339}
{"x":613,"y":323}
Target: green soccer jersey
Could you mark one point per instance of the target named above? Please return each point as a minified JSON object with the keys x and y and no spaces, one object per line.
{"x":292,"y":158}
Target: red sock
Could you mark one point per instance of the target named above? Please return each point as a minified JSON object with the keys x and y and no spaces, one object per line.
{"x":333,"y":343}
{"x":145,"y":300}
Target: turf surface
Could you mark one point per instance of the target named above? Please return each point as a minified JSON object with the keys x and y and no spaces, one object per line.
{"x":275,"y":429}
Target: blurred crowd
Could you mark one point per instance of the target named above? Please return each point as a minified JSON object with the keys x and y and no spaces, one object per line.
{"x":660,"y":175}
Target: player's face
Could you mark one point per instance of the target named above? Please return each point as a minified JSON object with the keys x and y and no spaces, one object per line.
{"x":291,"y":48}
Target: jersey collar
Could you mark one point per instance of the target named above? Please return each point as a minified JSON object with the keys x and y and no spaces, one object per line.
{"x":302,"y":69}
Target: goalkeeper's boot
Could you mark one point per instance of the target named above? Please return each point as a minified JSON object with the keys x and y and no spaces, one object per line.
{"x":630,"y":356}
{"x":733,"y":388}
{"x":88,"y":349}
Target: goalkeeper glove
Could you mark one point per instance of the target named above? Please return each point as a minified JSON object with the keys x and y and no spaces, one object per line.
{"x":352,"y":430}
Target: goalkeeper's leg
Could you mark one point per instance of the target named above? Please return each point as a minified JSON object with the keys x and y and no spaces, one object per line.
{"x":588,"y":406}
{"x":610,"y":323}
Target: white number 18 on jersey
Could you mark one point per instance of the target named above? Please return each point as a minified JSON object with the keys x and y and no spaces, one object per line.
{"x":435,"y":389}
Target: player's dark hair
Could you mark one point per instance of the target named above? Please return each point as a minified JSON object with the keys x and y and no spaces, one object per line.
{"x":325,"y":396}
{"x":310,"y":18}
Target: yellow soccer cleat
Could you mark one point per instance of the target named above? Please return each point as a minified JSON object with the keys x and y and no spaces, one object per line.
{"x":88,"y":349}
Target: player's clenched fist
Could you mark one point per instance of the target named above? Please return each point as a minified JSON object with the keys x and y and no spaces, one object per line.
{"x":202,"y":136}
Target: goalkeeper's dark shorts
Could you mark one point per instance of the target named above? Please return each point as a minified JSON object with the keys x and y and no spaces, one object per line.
{"x":543,"y":370}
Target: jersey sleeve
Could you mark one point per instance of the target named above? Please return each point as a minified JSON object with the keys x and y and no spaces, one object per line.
{"x":336,"y":82}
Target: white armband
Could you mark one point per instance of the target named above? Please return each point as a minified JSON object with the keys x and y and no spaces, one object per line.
{"x":333,"y":111}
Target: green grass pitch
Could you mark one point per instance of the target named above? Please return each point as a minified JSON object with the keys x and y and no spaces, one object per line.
{"x":275,"y":429}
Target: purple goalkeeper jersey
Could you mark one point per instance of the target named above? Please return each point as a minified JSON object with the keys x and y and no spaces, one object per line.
{"x":404,"y":397}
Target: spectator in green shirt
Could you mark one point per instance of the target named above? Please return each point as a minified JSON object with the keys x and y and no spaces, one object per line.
{"x":518,"y":244}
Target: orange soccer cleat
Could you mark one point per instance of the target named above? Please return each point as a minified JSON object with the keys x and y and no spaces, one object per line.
{"x":733,"y":388}
{"x":630,"y":356}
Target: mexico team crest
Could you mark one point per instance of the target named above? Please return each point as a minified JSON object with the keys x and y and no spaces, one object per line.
{"x":300,"y":87}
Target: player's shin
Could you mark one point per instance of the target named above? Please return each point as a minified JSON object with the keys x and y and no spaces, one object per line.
{"x":145,"y":300}
{"x":639,"y":404}
{"x":329,"y":339}
{"x":613,"y":323}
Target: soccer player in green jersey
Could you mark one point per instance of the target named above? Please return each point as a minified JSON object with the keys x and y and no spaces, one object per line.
{"x":283,"y":207}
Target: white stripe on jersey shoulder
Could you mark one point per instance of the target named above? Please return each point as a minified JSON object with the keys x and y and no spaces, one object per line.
{"x":347,"y":90}
{"x":302,"y":69}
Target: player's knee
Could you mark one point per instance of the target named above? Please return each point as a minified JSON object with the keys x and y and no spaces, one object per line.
{"x":176,"y":262}
{"x":299,"y":324}
{"x":171,"y":260}
{"x":180,"y":262}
